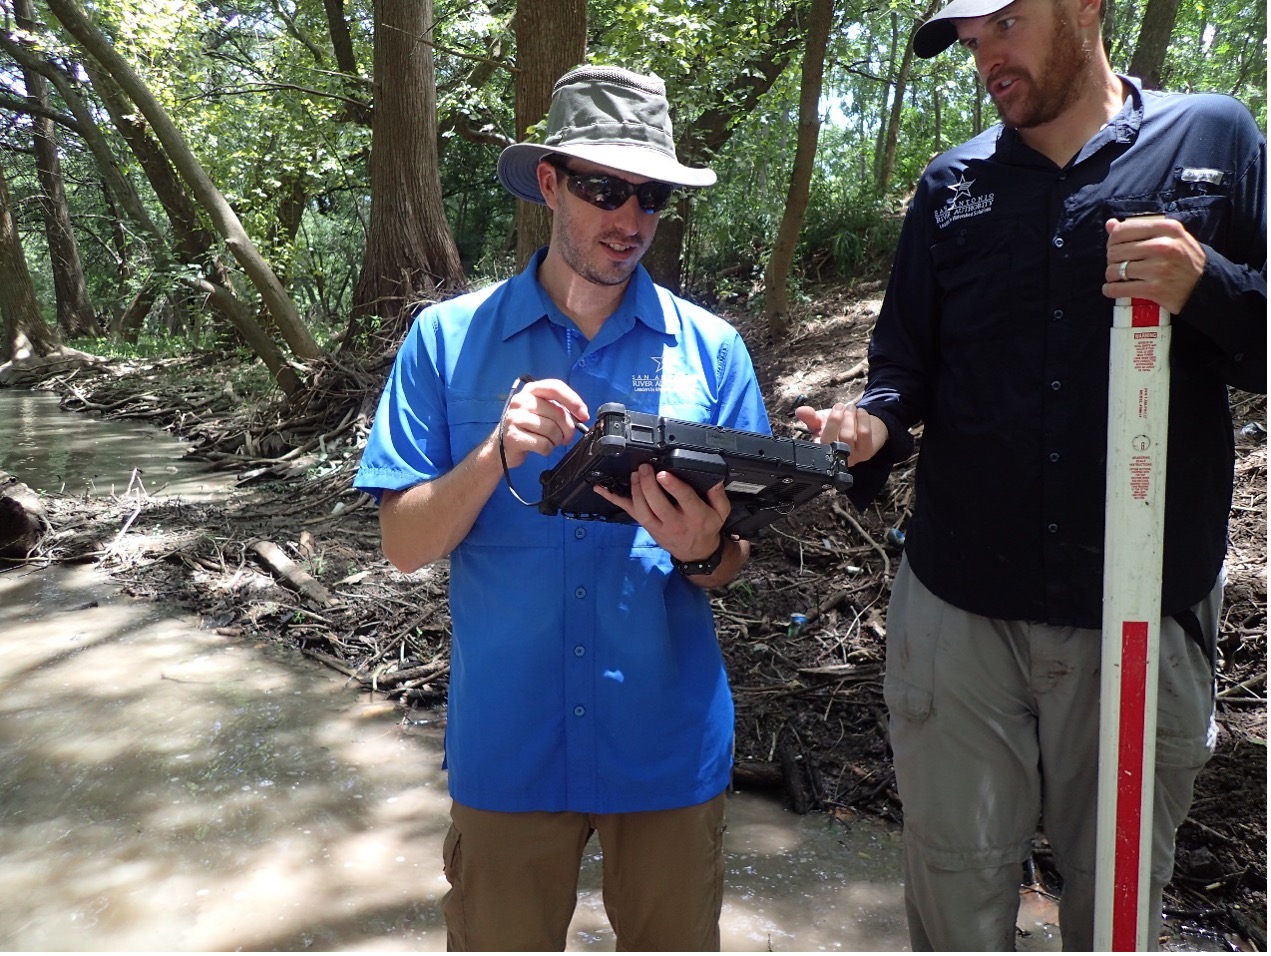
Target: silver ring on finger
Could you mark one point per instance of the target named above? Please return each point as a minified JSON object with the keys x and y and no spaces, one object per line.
{"x":1121,"y":272}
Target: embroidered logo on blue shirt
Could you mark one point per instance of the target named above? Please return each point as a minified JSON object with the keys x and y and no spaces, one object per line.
{"x":663,"y":380}
{"x":962,"y":205}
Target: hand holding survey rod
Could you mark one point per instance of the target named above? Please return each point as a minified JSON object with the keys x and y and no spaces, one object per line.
{"x":1138,"y":425}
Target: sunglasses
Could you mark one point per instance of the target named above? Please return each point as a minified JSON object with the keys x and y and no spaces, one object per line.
{"x":610,"y":192}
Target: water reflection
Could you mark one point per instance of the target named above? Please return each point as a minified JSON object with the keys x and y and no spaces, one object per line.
{"x":168,"y":788}
{"x":58,"y":451}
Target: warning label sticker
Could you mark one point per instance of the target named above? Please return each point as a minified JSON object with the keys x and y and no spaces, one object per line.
{"x":1145,"y":351}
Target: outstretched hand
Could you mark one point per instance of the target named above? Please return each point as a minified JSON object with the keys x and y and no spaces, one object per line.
{"x":863,"y":433}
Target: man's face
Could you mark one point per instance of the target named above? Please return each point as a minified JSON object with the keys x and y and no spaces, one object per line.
{"x":602,"y":246}
{"x":1030,"y":57}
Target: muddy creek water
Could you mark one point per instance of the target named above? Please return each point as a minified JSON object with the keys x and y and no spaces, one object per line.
{"x":167,"y":788}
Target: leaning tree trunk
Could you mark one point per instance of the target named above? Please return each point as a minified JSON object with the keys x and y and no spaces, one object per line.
{"x":24,"y":327}
{"x":696,"y":142}
{"x":551,"y":39}
{"x":74,"y":310}
{"x":1154,"y":37}
{"x":777,"y":274}
{"x":897,"y":105}
{"x":194,"y":244}
{"x":293,"y":329}
{"x":410,"y":253}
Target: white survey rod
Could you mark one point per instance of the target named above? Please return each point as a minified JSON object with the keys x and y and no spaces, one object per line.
{"x":1138,"y":424}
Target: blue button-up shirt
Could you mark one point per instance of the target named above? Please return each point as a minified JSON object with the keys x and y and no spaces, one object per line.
{"x":585,"y":672}
{"x":995,"y":334}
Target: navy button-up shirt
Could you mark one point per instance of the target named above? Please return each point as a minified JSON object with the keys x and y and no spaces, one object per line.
{"x":994,"y":334}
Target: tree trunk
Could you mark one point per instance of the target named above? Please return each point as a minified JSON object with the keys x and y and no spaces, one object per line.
{"x":777,"y":274}
{"x":341,"y":40}
{"x":898,"y":103}
{"x":74,"y":310}
{"x":410,"y":253}
{"x":210,"y":198}
{"x":25,"y":330}
{"x":551,"y":39}
{"x":698,"y":141}
{"x":194,"y":244}
{"x":884,"y":105}
{"x":1154,"y":37}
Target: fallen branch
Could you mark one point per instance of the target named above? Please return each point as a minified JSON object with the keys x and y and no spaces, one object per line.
{"x":844,"y":513}
{"x":292,"y":573}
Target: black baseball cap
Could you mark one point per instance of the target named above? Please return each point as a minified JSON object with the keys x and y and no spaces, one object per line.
{"x":939,"y":33}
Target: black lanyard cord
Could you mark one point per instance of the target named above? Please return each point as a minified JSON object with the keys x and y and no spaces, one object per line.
{"x":516,"y":387}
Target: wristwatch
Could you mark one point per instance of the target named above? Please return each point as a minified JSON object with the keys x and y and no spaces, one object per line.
{"x":704,"y":566}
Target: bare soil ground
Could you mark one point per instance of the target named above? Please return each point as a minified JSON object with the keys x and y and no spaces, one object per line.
{"x":294,"y":557}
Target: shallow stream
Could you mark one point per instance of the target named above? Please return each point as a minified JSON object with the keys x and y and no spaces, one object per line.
{"x":168,"y":788}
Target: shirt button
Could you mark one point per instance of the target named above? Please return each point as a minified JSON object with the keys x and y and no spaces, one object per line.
{"x":580,"y":593}
{"x":580,"y":533}
{"x":1054,"y":456}
{"x":1058,"y":242}
{"x":1056,"y":386}
{"x":1052,"y":527}
{"x":1057,"y":314}
{"x":579,"y":651}
{"x":580,"y":710}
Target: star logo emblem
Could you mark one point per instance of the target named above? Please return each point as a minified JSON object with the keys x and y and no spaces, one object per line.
{"x":962,"y":188}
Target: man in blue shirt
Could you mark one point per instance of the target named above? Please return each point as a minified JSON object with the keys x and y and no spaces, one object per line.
{"x":587,"y":688}
{"x":994,"y":334}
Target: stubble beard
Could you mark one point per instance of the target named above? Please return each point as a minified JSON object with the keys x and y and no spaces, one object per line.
{"x":1057,"y":84}
{"x":586,"y":262}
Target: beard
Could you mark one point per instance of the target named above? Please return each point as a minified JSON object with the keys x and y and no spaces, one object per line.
{"x":1056,"y":85}
{"x":581,"y":255}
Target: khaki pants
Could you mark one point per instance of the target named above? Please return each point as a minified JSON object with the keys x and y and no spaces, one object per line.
{"x":994,"y":727}
{"x":514,"y":877}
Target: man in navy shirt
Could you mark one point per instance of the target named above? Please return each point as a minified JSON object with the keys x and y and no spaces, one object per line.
{"x":587,"y":688}
{"x":994,"y":334}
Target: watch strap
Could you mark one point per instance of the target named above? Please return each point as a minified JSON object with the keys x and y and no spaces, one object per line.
{"x":704,"y":566}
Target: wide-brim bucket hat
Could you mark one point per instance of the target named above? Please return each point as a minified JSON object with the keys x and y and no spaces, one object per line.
{"x":609,"y":116}
{"x":940,"y":32}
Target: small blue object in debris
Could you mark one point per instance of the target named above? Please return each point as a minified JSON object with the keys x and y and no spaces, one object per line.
{"x":797,"y":623}
{"x":895,"y":537}
{"x":1254,"y":430}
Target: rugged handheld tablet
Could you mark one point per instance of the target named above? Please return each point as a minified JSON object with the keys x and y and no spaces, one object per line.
{"x":765,"y":477}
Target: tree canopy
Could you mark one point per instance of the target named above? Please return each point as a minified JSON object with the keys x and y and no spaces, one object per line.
{"x":216,"y":159}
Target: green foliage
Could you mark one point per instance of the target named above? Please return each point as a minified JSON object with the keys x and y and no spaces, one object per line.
{"x":255,"y":88}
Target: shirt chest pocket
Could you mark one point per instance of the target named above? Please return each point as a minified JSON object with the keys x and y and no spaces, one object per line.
{"x":504,"y":521}
{"x":1205,"y":214}
{"x":471,"y":419}
{"x":984,"y":279}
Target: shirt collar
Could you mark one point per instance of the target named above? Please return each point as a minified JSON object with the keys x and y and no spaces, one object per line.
{"x":1122,"y":128}
{"x":639,"y":303}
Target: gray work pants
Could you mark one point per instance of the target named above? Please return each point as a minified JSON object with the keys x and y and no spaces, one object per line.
{"x":994,"y":728}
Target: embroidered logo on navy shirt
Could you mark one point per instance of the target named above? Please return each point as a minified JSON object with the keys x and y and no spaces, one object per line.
{"x":962,"y":205}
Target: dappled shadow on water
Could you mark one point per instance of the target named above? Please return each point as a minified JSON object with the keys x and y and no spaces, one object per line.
{"x":169,"y":788}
